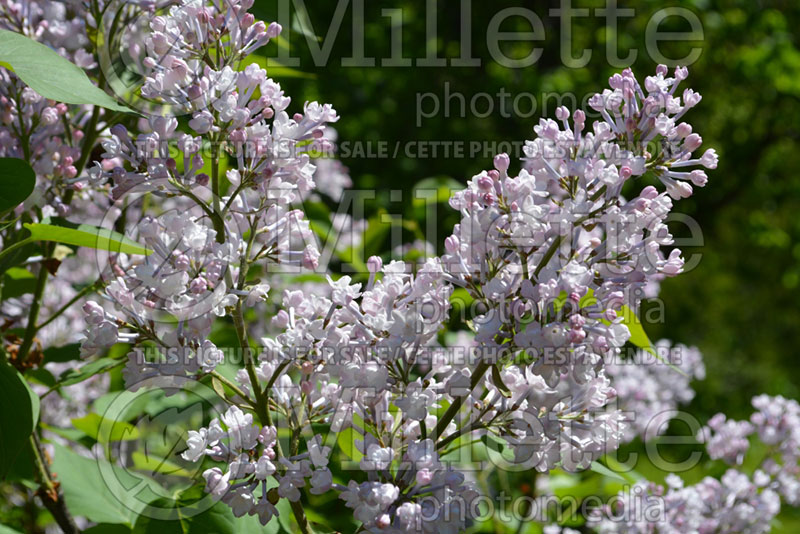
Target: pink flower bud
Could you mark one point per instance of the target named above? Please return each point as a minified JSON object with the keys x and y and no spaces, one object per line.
{"x":374,"y":264}
{"x":485,"y":183}
{"x":273,"y":30}
{"x":577,"y":336}
{"x":502,"y":162}
{"x":576,"y":321}
{"x":698,"y":178}
{"x":182,"y":262}
{"x":424,"y":477}
{"x":198,"y":285}
{"x":281,"y":319}
{"x":451,"y":244}
{"x":238,"y":136}
{"x":384,"y":521}
{"x":310,"y":258}
{"x":649,"y":192}
{"x":709,"y":159}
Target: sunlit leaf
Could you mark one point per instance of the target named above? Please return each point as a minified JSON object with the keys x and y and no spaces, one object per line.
{"x":85,"y":235}
{"x":49,"y":74}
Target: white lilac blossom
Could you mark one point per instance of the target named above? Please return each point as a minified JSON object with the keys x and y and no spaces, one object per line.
{"x":650,"y":387}
{"x":554,"y":253}
{"x":776,"y":425}
{"x":556,"y":258}
{"x":53,"y":137}
{"x":734,"y":504}
{"x":251,"y":463}
{"x":737,"y":503}
{"x":198,"y":248}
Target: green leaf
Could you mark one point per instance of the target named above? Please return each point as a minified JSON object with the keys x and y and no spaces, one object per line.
{"x":499,"y":446}
{"x":74,"y":376}
{"x":107,"y":528}
{"x":17,"y":181}
{"x":17,"y":282}
{"x":85,"y":235}
{"x":42,"y":376}
{"x":87,"y":491}
{"x":17,"y":256}
{"x":346,"y":439}
{"x":18,"y":416}
{"x":71,"y":434}
{"x":153,"y":464}
{"x":51,"y":75}
{"x":600,"y":469}
{"x":6,"y":530}
{"x":375,"y":234}
{"x":438,"y":188}
{"x":105,"y":430}
{"x":638,"y":335}
{"x":66,"y":353}
{"x":631,"y":476}
{"x":498,"y":382}
{"x":191,"y":518}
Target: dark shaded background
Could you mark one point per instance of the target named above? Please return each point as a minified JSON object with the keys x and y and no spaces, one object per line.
{"x":739,"y":306}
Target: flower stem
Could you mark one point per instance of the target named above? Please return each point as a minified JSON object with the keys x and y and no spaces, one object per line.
{"x":52,"y":499}
{"x":33,"y":314}
{"x":451,"y":412}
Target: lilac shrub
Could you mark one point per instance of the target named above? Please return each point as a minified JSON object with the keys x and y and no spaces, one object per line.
{"x":554,"y":251}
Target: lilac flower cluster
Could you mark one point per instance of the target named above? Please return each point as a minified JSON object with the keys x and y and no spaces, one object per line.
{"x":555,"y":254}
{"x":734,"y":504}
{"x":651,"y":387}
{"x":776,"y":427}
{"x":737,"y":503}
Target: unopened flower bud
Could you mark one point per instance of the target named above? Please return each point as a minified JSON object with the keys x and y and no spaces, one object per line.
{"x":374,"y":264}
{"x":502,"y":162}
{"x":692,"y":142}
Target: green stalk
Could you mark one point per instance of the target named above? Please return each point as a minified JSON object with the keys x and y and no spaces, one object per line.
{"x":11,"y":248}
{"x":33,"y":314}
{"x":453,"y":409}
{"x":79,"y":295}
{"x":51,"y":497}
